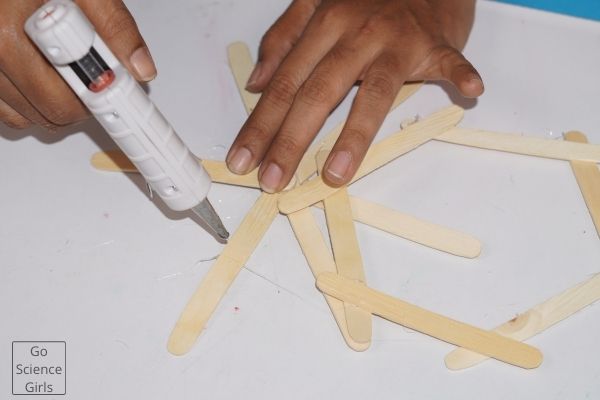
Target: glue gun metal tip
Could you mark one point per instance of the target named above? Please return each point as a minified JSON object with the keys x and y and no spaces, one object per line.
{"x":205,"y":211}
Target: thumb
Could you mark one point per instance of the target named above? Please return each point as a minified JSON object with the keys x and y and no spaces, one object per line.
{"x":116,"y":26}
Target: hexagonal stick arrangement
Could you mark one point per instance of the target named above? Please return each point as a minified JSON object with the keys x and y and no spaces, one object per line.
{"x":339,"y":291}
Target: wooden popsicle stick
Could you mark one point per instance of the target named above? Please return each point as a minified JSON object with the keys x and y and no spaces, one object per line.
{"x":346,"y":253}
{"x":347,"y":260}
{"x":219,"y":173}
{"x":241,"y":66}
{"x":320,"y":260}
{"x":378,"y":155}
{"x":117,"y":161}
{"x":512,"y":143}
{"x":307,"y":167}
{"x":308,"y":234}
{"x":430,"y":323}
{"x":113,"y":161}
{"x":215,"y":283}
{"x":588,"y":179}
{"x":416,"y":230}
{"x":534,"y":321}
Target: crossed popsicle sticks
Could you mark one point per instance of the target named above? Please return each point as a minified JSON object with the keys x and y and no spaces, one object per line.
{"x":340,"y":276}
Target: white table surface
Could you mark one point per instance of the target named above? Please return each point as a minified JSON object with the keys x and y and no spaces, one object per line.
{"x":86,"y":258}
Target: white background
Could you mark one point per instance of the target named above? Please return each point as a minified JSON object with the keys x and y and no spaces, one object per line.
{"x":88,"y":259}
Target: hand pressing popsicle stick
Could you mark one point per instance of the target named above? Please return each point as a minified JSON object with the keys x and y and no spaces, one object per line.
{"x":377,"y":216}
{"x":215,"y":283}
{"x":430,"y":323}
{"x":414,"y":229}
{"x":588,"y":179}
{"x":378,"y":155}
{"x":116,"y":161}
{"x":241,"y":65}
{"x":320,"y":260}
{"x":534,"y":321}
{"x":306,"y":168}
{"x":308,"y":234}
{"x":512,"y":143}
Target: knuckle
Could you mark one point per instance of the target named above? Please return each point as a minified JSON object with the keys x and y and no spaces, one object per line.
{"x":445,"y":53}
{"x":270,"y":41}
{"x":282,"y":90}
{"x":378,"y":85}
{"x":370,"y":26}
{"x":343,"y":52}
{"x":315,"y":91}
{"x":380,"y":23}
{"x":255,"y":133}
{"x":331,"y":15}
{"x":446,"y":57}
{"x":286,"y":146}
{"x":357,"y":138}
{"x":63,"y":116}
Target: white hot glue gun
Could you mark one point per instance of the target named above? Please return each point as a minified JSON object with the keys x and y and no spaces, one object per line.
{"x":68,"y":40}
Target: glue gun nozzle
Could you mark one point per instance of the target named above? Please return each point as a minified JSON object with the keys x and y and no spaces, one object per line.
{"x":205,"y":211}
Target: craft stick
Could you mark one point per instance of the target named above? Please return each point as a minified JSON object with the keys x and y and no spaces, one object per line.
{"x":113,"y":161}
{"x":416,"y":230}
{"x":588,"y":179}
{"x":430,"y":323}
{"x":547,"y":148}
{"x":308,"y":234}
{"x":215,"y":283}
{"x":117,"y":161}
{"x":534,"y":321}
{"x":346,"y":253}
{"x":307,"y":168}
{"x":241,"y":66}
{"x":378,"y":155}
{"x":320,"y":260}
{"x":348,"y":260}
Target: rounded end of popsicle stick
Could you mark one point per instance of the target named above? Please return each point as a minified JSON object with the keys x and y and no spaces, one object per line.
{"x":576,"y":136}
{"x":180,"y":343}
{"x":535,"y":360}
{"x":237,"y":46}
{"x":460,"y":359}
{"x":356,"y":346}
{"x":472,"y":248}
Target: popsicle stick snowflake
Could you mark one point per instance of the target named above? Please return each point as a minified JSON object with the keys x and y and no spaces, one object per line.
{"x":340,"y":275}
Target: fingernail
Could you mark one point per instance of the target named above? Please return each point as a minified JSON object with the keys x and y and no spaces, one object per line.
{"x":254,"y":76}
{"x":269,"y":181}
{"x":142,"y":64}
{"x":239,"y":162}
{"x":339,"y":165}
{"x":475,"y":77}
{"x":474,"y":82}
